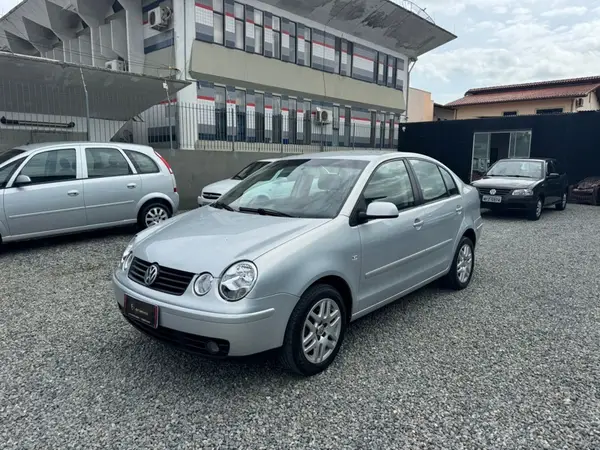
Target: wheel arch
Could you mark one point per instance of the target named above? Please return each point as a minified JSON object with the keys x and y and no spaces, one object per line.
{"x":337,"y":282}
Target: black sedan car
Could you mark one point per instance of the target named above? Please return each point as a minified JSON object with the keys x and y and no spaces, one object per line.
{"x":527,"y":185}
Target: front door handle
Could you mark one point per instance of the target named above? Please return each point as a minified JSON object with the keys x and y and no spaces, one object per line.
{"x":131,"y":186}
{"x":418,"y":223}
{"x":73,"y":193}
{"x":459,"y":209}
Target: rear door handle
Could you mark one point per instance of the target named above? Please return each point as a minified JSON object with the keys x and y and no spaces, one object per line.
{"x":73,"y":193}
{"x":131,"y":186}
{"x":418,"y":223}
{"x":459,"y":209}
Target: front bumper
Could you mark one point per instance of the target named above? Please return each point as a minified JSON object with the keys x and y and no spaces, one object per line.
{"x":510,"y":202}
{"x":204,"y":201}
{"x":258,"y":325}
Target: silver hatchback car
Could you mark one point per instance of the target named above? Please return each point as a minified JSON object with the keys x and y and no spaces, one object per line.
{"x":67,"y":187}
{"x":295,"y":252}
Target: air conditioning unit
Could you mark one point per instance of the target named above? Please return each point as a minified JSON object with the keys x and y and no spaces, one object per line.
{"x":115,"y":64}
{"x":158,"y":18}
{"x":579,"y":103}
{"x":323,"y":116}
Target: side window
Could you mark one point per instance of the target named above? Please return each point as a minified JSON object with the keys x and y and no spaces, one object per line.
{"x":430,"y":179}
{"x":52,"y":166}
{"x":449,"y":182}
{"x":390,"y":183}
{"x":142,"y":163}
{"x":7,"y":171}
{"x":551,"y":168}
{"x":106,"y":162}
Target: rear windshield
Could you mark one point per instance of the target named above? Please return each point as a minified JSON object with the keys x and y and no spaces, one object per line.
{"x":9,"y":154}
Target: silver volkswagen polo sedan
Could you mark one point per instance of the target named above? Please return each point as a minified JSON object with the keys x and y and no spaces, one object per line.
{"x":295,"y":252}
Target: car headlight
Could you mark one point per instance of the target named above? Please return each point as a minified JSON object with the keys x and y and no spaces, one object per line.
{"x":523,"y":192}
{"x":203,"y":284}
{"x":127,"y":256}
{"x":238,"y":280}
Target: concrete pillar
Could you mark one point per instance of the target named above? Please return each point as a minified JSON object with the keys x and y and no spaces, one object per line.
{"x":135,"y":34}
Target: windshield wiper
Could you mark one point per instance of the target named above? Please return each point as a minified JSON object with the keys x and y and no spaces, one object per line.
{"x":265,"y":212}
{"x":221,"y":205}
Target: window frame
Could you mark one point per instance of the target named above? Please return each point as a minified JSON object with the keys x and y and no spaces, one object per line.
{"x":19,"y":171}
{"x":510,"y":113}
{"x":86,"y":175}
{"x":135,"y":164}
{"x":553,"y":111}
{"x":423,"y":201}
{"x":353,"y":220}
{"x":9,"y":179}
{"x":442,"y":170}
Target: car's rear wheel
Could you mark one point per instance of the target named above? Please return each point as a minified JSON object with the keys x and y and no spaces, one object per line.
{"x":153,"y":214}
{"x":315,"y":331}
{"x":560,"y":206}
{"x":536,"y":211}
{"x":463,"y":264}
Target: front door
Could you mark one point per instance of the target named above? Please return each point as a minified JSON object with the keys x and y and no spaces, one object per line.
{"x":52,"y":201}
{"x":441,"y":213}
{"x":389,"y":246}
{"x":553,"y":185}
{"x":111,"y":189}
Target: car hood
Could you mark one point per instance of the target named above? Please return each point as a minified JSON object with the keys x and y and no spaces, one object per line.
{"x":505,"y":183}
{"x":210,"y":239}
{"x":221,"y":187}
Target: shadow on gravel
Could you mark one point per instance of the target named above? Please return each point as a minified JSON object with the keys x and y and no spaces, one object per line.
{"x":513,"y":215}
{"x":68,"y":239}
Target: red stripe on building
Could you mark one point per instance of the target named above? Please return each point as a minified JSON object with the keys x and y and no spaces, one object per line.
{"x":268,"y":107}
{"x":252,"y":105}
{"x":360,"y":119}
{"x":231,"y":102}
{"x":200,"y":5}
{"x":204,"y":97}
{"x":145,"y":22}
{"x":230,"y":15}
{"x":324,"y":44}
{"x":250,"y":21}
{"x":285,"y":109}
{"x":166,"y":102}
{"x":365,"y":58}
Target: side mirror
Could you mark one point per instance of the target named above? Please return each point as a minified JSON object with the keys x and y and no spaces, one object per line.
{"x":22,"y":179}
{"x":379,"y":210}
{"x":553,"y":175}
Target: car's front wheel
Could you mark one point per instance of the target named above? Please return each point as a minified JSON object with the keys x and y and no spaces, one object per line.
{"x":560,"y":206}
{"x":536,"y":211}
{"x":315,"y":331}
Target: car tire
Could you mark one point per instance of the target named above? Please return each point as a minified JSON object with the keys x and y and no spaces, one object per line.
{"x":463,"y":265}
{"x":153,"y":213}
{"x":536,"y":211}
{"x":562,"y":204}
{"x":312,"y":305}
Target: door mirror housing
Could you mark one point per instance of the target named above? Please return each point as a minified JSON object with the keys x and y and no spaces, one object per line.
{"x":379,"y":210}
{"x":553,"y":175}
{"x":22,"y":180}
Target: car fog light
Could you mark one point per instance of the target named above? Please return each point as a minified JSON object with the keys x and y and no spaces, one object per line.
{"x":203,"y":284}
{"x":212,"y":347}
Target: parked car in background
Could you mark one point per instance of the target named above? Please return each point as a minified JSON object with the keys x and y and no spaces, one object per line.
{"x":527,"y":185}
{"x":587,"y":191}
{"x":67,"y":187}
{"x":213,"y":191}
{"x":289,"y":261}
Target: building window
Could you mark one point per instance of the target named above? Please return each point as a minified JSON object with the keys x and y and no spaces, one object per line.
{"x":259,"y":117}
{"x":400,"y":65}
{"x":239,"y":26}
{"x":258,"y":32}
{"x":240,"y":101}
{"x":338,"y":51}
{"x":288,"y":41}
{"x":549,"y":111}
{"x":391,"y":63}
{"x":276,"y":38}
{"x":346,"y":58}
{"x":509,"y":113}
{"x":399,"y":74}
{"x":218,"y":25}
{"x":381,"y":69}
{"x":304,"y":46}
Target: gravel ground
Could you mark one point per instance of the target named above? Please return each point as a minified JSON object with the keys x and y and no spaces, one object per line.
{"x":511,"y":362}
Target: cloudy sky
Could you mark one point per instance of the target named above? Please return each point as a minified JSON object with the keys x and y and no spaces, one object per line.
{"x":503,"y":41}
{"x":509,"y":41}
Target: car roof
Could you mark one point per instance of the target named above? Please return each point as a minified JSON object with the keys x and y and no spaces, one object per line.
{"x":360,"y":155}
{"x":527,"y":159}
{"x":49,"y":145}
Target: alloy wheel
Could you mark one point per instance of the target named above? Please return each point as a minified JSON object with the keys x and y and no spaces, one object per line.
{"x":156,"y":215}
{"x":564,"y":200}
{"x":464,"y":264}
{"x":538,"y":208}
{"x":321,"y":331}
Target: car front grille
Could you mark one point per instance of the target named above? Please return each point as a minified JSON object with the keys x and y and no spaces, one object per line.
{"x":190,"y":343}
{"x":486,"y":191}
{"x":210,"y":195}
{"x":169,"y":281}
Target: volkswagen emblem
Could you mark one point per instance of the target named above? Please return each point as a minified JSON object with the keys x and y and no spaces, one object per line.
{"x":151,"y":274}
{"x":492,"y":192}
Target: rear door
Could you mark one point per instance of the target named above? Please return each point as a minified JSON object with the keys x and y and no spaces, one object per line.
{"x":112,"y":189}
{"x":441,"y":215}
{"x":53,"y":201}
{"x":151,"y":177}
{"x":553,"y":185}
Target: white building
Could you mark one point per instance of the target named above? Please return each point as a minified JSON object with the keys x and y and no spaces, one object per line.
{"x":261,"y":72}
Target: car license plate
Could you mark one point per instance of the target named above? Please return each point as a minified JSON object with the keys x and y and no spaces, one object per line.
{"x":492,"y":199}
{"x":141,"y":311}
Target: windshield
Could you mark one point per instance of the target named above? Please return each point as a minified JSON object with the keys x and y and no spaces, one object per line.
{"x":524,"y":169}
{"x":309,"y":188}
{"x":9,"y":154}
{"x":249,"y":170}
